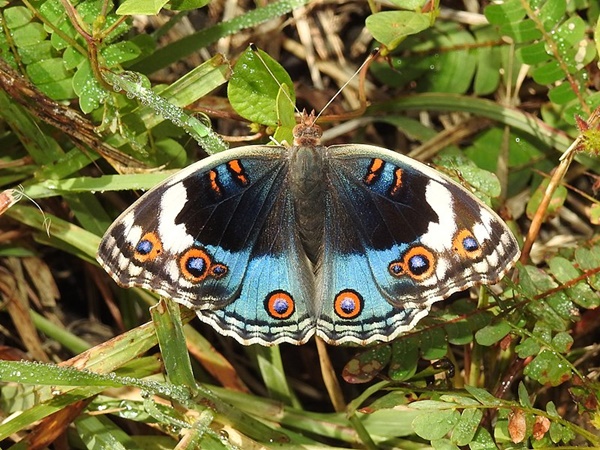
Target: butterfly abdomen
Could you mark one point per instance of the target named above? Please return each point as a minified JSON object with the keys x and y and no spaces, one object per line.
{"x":307,"y":187}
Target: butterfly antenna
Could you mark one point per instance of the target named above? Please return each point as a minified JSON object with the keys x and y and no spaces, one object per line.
{"x":366,"y":63}
{"x":254,"y":48}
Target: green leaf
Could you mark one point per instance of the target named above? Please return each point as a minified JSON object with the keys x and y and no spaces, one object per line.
{"x":16,"y":16}
{"x":253,"y":90}
{"x":91,"y":93}
{"x":467,"y":426}
{"x":483,"y":396}
{"x":404,"y":359}
{"x":505,"y":12}
{"x":548,"y":368}
{"x":433,"y":344}
{"x":366,"y":365}
{"x":492,"y":333}
{"x":142,"y":7}
{"x":524,"y":396}
{"x":482,"y":441}
{"x":527,"y":347}
{"x":435,"y":424}
{"x":390,"y":28}
{"x":558,"y":199}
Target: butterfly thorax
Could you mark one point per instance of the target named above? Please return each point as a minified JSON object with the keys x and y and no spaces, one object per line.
{"x":307,"y":185}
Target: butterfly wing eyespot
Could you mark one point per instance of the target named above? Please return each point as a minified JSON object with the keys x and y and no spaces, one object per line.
{"x":196,"y":264}
{"x":417,"y":263}
{"x":348,"y":304}
{"x":466,"y":246}
{"x":280,"y":305}
{"x":148,"y":248}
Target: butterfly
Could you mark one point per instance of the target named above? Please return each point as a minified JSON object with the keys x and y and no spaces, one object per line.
{"x":274,"y":244}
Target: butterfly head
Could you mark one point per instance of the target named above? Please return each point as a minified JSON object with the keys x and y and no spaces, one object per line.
{"x":307,"y":133}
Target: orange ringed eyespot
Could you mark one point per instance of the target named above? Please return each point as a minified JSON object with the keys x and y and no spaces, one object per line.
{"x":279,"y":305}
{"x":417,"y":263}
{"x":465,"y":245}
{"x":195,"y":265}
{"x":348,"y":304}
{"x":148,"y":248}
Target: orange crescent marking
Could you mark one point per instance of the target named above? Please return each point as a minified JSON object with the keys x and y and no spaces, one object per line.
{"x":374,"y":168}
{"x":213,"y":178}
{"x":236,"y":167}
{"x":397,"y":182}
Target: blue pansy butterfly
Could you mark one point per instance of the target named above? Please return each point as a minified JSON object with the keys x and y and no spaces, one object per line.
{"x":273,"y":244}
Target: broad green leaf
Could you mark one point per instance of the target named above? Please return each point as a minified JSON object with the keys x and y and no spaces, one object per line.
{"x":405,"y":356}
{"x":492,"y":333}
{"x":505,"y":12}
{"x":31,"y":34}
{"x":16,"y":16}
{"x":482,"y":441}
{"x":390,"y":28}
{"x":253,"y":90}
{"x":465,"y":429}
{"x":142,"y":7}
{"x":433,"y":344}
{"x":524,"y":396}
{"x":90,"y":91}
{"x":435,"y":424}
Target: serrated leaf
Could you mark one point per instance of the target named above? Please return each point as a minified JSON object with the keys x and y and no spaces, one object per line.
{"x":492,"y":333}
{"x":390,"y":28}
{"x":366,"y":365}
{"x":465,"y":429}
{"x":435,"y":424}
{"x":253,"y":91}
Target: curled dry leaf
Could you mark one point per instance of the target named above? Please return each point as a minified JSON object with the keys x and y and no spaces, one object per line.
{"x":517,"y":425}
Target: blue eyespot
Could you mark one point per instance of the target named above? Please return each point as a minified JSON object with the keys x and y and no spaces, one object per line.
{"x":418,"y":264}
{"x":144,"y":247}
{"x":348,"y":304}
{"x":279,"y":305}
{"x":470,"y":244}
{"x":196,"y":266}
